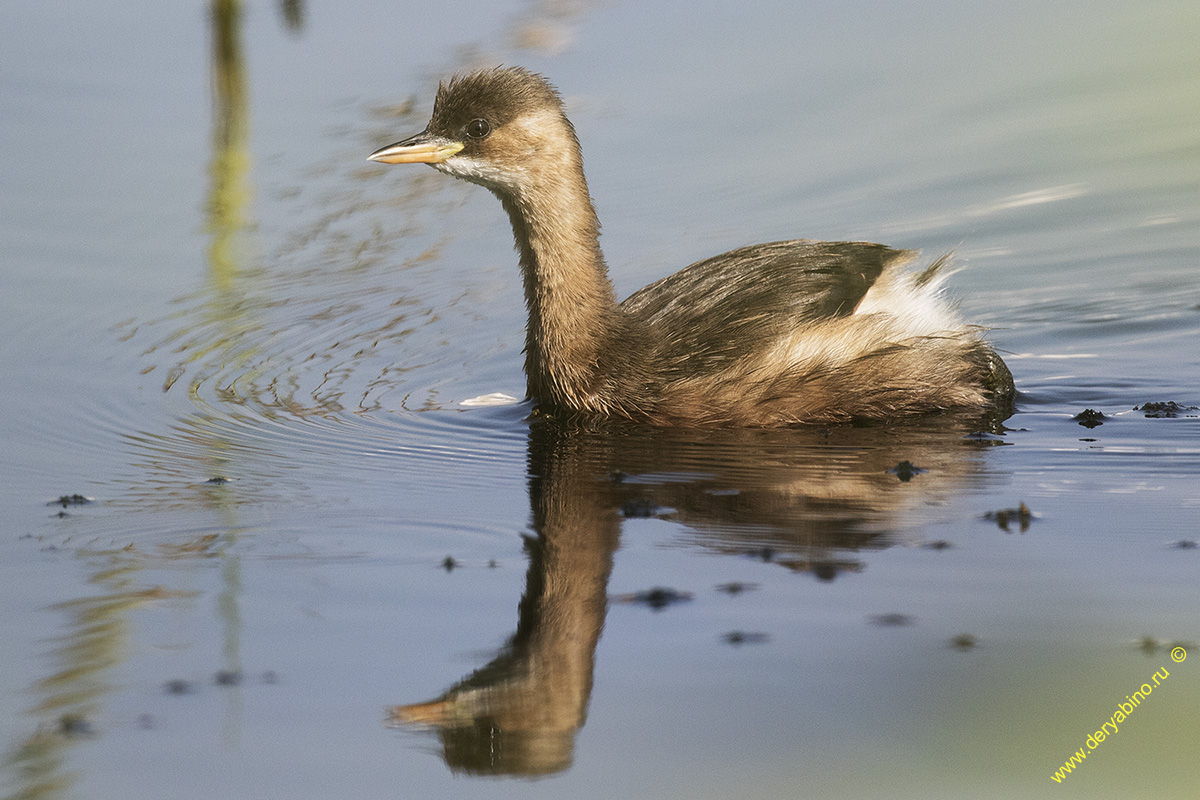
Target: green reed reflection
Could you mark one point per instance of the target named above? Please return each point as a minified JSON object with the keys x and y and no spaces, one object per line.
{"x":95,"y":641}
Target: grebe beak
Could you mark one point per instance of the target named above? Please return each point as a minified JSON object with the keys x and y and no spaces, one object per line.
{"x":424,"y":148}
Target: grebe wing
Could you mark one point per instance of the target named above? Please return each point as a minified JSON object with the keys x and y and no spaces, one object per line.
{"x":730,"y":304}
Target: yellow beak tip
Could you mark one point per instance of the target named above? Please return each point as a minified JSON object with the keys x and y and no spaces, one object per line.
{"x":420,"y":153}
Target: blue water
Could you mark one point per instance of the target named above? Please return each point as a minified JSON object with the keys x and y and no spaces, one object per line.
{"x":250,"y":348}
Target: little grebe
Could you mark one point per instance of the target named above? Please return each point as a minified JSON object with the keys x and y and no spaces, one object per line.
{"x":771,"y":334}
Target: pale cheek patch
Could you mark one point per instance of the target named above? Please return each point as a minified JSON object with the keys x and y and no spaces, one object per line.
{"x":481,"y":172}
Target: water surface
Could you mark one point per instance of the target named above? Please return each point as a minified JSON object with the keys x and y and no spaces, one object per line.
{"x":308,"y":569}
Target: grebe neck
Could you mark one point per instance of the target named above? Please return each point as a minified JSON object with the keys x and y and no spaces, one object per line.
{"x":574,"y":320}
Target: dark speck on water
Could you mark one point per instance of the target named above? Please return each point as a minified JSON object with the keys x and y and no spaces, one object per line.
{"x":1151,"y":645}
{"x":905,"y":471}
{"x":739,"y":638}
{"x":1089,"y":418}
{"x":765,"y":554}
{"x":178,"y":686}
{"x":823,"y":569}
{"x":964,"y":641}
{"x":1167,"y":410}
{"x":891,"y":620}
{"x":937,"y":544}
{"x":70,"y":500}
{"x":449,"y":564}
{"x":736,"y":587}
{"x":657,"y":598}
{"x":985,"y":437}
{"x":227,"y":677}
{"x":1185,"y":544}
{"x":75,"y":725}
{"x":1005,"y":516}
{"x":638,"y":508}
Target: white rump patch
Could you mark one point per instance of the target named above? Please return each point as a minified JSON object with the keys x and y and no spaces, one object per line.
{"x":898,"y":308}
{"x":917,"y":310}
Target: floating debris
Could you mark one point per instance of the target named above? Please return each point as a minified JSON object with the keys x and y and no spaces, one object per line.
{"x":657,"y":598}
{"x":1168,"y":410}
{"x":1089,"y":418}
{"x":764,"y":554}
{"x":1149,"y":645}
{"x":986,"y":437}
{"x":906,"y":471}
{"x":937,"y":544}
{"x":218,"y":480}
{"x":639,"y":508}
{"x":449,"y":564}
{"x":71,"y":500}
{"x":178,"y":686}
{"x":1185,"y":544}
{"x":736,"y":587}
{"x":1021,"y":515}
{"x":822,"y":570}
{"x":227,"y":677}
{"x":964,"y":641}
{"x":75,"y":725}
{"x":892,"y":620}
{"x":739,"y":638}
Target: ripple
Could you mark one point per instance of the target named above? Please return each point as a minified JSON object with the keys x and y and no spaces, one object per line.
{"x":347,"y":362}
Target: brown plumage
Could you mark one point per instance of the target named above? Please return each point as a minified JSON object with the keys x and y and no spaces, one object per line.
{"x":771,"y":334}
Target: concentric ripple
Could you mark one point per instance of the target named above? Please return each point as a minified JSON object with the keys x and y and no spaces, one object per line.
{"x":351,"y":344}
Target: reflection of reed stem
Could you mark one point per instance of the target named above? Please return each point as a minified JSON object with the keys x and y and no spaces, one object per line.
{"x":229,"y":612}
{"x":71,"y":697}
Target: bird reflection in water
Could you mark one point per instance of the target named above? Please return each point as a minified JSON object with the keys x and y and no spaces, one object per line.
{"x":805,"y":496}
{"x":519,"y":714}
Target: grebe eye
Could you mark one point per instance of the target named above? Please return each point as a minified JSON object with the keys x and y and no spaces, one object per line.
{"x":478,"y":128}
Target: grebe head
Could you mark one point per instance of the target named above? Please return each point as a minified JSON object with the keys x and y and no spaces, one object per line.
{"x":502,"y":128}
